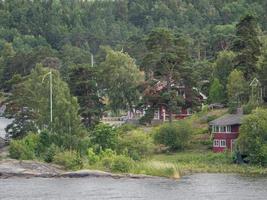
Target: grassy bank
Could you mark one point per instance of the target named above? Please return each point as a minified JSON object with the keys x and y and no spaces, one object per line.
{"x":178,"y":164}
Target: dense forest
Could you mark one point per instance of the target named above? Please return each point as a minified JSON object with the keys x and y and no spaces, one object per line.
{"x":107,"y":57}
{"x":197,"y":42}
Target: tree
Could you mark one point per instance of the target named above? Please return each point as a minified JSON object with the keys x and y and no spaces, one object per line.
{"x":174,"y":136}
{"x":83,"y":85}
{"x":237,"y":88}
{"x":252,"y":140}
{"x":120,"y":78}
{"x":104,"y":137}
{"x":33,"y":94}
{"x":216,"y":92}
{"x":247,"y":46}
{"x":165,"y":61}
{"x":223,"y":66}
{"x":263,"y":76}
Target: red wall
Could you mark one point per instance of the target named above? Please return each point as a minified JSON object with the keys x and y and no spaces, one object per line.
{"x":226,"y":136}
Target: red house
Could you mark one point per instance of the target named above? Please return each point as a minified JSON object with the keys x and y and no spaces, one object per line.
{"x":160,"y":109}
{"x":225,"y":131}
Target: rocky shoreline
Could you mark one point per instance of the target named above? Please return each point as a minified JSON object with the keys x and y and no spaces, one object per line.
{"x":10,"y":168}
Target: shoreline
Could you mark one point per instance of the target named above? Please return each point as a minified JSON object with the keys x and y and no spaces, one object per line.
{"x":10,"y":168}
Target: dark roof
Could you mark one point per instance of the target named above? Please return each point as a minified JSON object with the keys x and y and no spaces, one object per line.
{"x":229,"y":119}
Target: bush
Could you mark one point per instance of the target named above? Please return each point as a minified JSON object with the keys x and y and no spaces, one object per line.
{"x":50,"y":153}
{"x":69,"y":159}
{"x":148,"y":117}
{"x":104,"y":137}
{"x":24,"y":149}
{"x":125,"y":128}
{"x":136,"y":144}
{"x":252,"y":140}
{"x":92,"y":157}
{"x":174,"y":136}
{"x":122,"y":163}
{"x":247,"y":109}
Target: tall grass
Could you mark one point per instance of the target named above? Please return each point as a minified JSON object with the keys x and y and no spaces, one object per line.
{"x":176,"y":165}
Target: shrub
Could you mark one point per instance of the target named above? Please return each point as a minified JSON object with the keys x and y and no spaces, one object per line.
{"x":247,"y":109}
{"x":125,"y":128}
{"x":69,"y":159}
{"x":174,"y":136}
{"x":44,"y":142}
{"x":148,"y":117}
{"x":24,"y":149}
{"x":92,"y":157}
{"x":50,"y":153}
{"x":252,"y":140}
{"x":136,"y":144}
{"x":121,"y":163}
{"x":104,"y":137}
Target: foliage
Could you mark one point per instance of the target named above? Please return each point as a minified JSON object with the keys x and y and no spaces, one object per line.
{"x":69,"y":159}
{"x":216,"y":92}
{"x":33,"y":94}
{"x":120,"y":77}
{"x":253,"y":137}
{"x":263,"y":75}
{"x":50,"y":153}
{"x":136,"y":144}
{"x":83,"y":85}
{"x":104,"y":137}
{"x":249,"y":107}
{"x":148,"y":117}
{"x":223,"y":66}
{"x":174,"y":136}
{"x":122,"y":163}
{"x":92,"y":157}
{"x":237,"y":88}
{"x":247,"y":46}
{"x":165,"y":63}
{"x":24,"y":149}
{"x":22,"y":124}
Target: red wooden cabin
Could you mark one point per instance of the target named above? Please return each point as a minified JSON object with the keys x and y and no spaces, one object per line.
{"x":160,"y":112}
{"x":225,"y":131}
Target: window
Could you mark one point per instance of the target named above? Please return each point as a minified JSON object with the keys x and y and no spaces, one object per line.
{"x":222,"y":143}
{"x":215,"y":129}
{"x":228,"y":129}
{"x":223,"y":129}
{"x":216,"y":143}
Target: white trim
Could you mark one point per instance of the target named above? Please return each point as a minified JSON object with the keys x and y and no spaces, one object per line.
{"x":222,"y":143}
{"x":222,"y":129}
{"x":216,"y":143}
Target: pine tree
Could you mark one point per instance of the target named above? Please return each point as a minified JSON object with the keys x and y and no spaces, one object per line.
{"x":83,"y":85}
{"x":247,"y":46}
{"x":216,"y":92}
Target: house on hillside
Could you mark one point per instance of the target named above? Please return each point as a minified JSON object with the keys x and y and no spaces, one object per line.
{"x":225,"y":131}
{"x":161,"y":109}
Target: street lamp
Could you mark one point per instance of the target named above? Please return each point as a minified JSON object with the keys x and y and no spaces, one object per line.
{"x":51,"y":94}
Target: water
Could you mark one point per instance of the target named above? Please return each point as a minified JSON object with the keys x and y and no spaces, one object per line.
{"x":3,"y":124}
{"x":194,"y":187}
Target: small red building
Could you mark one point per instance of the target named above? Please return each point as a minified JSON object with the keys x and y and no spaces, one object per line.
{"x":160,"y":109}
{"x":225,"y":131}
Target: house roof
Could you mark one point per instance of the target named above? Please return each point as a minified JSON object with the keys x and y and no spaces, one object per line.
{"x":229,"y":119}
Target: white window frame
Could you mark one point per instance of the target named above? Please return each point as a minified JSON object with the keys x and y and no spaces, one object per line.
{"x":221,"y":129}
{"x":222,"y":145}
{"x":216,"y":143}
{"x":215,"y":129}
{"x":228,"y":129}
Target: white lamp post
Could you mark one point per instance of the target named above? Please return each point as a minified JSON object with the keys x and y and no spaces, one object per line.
{"x":51,"y":94}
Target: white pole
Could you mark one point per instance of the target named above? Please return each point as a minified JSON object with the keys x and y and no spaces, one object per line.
{"x":92,"y":60}
{"x":51,"y":98}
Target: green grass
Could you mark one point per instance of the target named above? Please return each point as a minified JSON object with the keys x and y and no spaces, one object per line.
{"x":195,"y":162}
